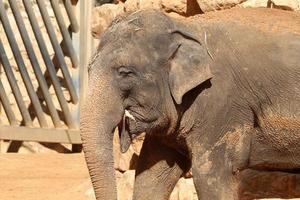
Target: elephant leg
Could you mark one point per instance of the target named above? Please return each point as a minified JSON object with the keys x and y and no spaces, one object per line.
{"x":158,"y":170}
{"x":216,"y":172}
{"x":214,"y":180}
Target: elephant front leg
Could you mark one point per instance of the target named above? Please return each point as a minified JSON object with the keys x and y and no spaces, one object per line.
{"x":158,"y":170}
{"x":214,"y":179}
{"x":216,"y":171}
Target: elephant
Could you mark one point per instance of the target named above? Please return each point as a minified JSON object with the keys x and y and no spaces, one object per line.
{"x":217,"y":97}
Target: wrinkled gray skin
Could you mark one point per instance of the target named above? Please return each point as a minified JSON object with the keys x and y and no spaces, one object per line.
{"x":217,"y":98}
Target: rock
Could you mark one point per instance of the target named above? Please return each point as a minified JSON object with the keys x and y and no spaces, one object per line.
{"x":280,"y":4}
{"x":182,"y":7}
{"x":131,"y":5}
{"x":125,"y":184}
{"x":128,"y":160}
{"x":189,"y":174}
{"x":103,"y":15}
{"x":211,"y":5}
{"x":175,"y":15}
{"x":137,"y":143}
{"x":101,"y":2}
{"x":254,"y":4}
{"x":184,"y":190}
{"x":178,"y":6}
{"x":150,"y":4}
{"x":287,"y":4}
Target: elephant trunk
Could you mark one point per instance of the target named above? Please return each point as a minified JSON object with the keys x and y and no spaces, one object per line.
{"x":101,"y":113}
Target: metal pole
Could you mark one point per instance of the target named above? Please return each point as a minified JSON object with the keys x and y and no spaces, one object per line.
{"x":34,"y":62}
{"x":6,"y":105}
{"x":56,"y":47}
{"x":13,"y":84}
{"x":49,"y":64}
{"x":18,"y":57}
{"x":64,"y":31}
{"x":72,"y":17}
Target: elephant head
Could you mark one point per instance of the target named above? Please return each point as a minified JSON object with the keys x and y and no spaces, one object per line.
{"x":144,"y":65}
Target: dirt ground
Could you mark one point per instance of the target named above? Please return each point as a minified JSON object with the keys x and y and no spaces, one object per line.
{"x":51,"y":177}
{"x":44,"y":176}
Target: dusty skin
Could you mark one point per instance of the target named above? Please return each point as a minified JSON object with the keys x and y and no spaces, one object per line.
{"x":204,"y":102}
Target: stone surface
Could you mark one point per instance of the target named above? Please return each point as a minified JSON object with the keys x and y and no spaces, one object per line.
{"x":178,"y":6}
{"x":293,"y":5}
{"x":103,"y":15}
{"x":131,"y":5}
{"x":287,"y":4}
{"x":255,"y":4}
{"x":152,"y":4}
{"x":128,"y":160}
{"x":184,"y":190}
{"x":212,"y":5}
{"x":125,"y":184}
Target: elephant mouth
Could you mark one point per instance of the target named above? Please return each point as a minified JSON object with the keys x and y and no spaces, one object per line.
{"x":134,"y":123}
{"x":129,"y":128}
{"x":129,"y":115}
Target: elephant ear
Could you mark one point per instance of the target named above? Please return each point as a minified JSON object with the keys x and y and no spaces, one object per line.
{"x":190,"y":64}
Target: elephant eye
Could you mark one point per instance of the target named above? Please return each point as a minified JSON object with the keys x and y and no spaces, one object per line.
{"x":125,"y":71}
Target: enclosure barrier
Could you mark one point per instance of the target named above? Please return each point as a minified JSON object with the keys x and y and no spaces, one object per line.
{"x":43,"y":116}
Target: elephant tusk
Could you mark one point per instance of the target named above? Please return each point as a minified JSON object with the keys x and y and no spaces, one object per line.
{"x":127,"y":114}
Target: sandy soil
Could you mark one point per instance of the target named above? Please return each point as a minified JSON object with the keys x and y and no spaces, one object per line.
{"x":58,"y":177}
{"x":44,"y":176}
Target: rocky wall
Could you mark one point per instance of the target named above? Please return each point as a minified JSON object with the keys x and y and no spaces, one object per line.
{"x":103,"y":15}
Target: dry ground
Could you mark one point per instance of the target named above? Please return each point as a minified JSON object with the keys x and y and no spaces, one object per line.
{"x":54,"y":177}
{"x":44,"y":177}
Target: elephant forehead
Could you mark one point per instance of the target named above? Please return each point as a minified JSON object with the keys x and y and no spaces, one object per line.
{"x":127,"y":55}
{"x":139,"y":27}
{"x":138,"y":38}
{"x":137,"y":50}
{"x":143,"y":20}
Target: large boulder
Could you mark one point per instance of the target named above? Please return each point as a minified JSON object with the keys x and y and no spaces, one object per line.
{"x":184,"y":190}
{"x":255,"y":4}
{"x":182,"y":7}
{"x":102,"y":16}
{"x":178,"y":6}
{"x":150,"y":4}
{"x":128,"y":160}
{"x":211,"y":5}
{"x":131,"y":5}
{"x":125,"y":184}
{"x":287,"y":4}
{"x":280,"y":4}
